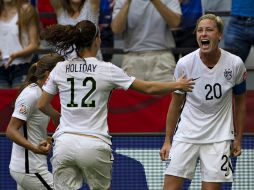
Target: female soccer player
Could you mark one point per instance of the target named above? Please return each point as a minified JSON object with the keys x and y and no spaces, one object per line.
{"x":201,"y":123}
{"x":28,"y":130}
{"x":82,"y":151}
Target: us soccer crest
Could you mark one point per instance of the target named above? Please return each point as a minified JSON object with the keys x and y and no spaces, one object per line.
{"x":228,"y":74}
{"x":23,"y":109}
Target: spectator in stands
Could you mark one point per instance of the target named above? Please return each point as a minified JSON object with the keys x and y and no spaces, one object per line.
{"x":146,"y":29}
{"x":28,"y":130}
{"x":19,"y":39}
{"x":206,"y":116}
{"x":70,"y":12}
{"x":240,"y":30}
{"x":107,"y":36}
{"x":184,"y":35}
{"x":82,"y":151}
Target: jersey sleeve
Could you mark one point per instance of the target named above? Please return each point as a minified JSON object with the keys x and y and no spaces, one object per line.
{"x":119,"y":78}
{"x":50,"y":84}
{"x":24,"y":105}
{"x":240,"y":80}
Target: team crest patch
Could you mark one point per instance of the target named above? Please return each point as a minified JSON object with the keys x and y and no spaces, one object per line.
{"x":23,"y":109}
{"x":228,"y":74}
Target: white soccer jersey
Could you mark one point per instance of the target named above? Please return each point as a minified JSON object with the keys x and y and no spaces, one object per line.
{"x":85,"y":86}
{"x":207,"y":115}
{"x":35,"y":130}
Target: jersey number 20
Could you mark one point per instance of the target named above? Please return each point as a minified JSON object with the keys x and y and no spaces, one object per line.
{"x":213,"y":91}
{"x":84,"y":102}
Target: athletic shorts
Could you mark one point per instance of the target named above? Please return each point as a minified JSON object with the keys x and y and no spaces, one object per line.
{"x":80,"y":159}
{"x":215,"y":162}
{"x":38,"y":181}
{"x":150,"y":66}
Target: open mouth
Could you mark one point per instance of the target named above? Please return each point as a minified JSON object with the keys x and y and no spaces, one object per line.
{"x":205,"y":43}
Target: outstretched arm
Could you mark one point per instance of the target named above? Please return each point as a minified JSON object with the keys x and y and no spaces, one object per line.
{"x":151,"y":87}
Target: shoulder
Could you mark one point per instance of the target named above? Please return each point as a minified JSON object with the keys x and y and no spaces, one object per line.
{"x":232,"y":59}
{"x":30,"y":94}
{"x":189,"y":58}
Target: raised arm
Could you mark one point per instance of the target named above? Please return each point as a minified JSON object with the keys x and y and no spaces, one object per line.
{"x":151,"y":87}
{"x":33,"y":33}
{"x":56,"y":4}
{"x":95,"y":5}
{"x":173,"y":115}
{"x":119,"y":22}
{"x":172,"y":18}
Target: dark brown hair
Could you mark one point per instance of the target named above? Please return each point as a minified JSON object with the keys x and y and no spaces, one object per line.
{"x":67,"y":38}
{"x":37,"y":70}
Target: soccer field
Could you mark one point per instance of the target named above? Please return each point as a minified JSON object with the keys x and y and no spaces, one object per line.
{"x":137,"y":164}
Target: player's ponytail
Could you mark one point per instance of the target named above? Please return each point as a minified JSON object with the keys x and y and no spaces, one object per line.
{"x":67,"y":38}
{"x":37,"y":70}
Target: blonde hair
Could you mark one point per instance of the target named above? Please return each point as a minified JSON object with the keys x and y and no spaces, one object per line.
{"x":216,"y":19}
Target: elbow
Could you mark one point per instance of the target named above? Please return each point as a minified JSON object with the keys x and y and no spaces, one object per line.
{"x":8,"y":132}
{"x":115,"y":29}
{"x":177,"y":21}
{"x":41,"y":106}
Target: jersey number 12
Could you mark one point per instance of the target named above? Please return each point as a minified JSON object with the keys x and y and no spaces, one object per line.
{"x":84,"y":102}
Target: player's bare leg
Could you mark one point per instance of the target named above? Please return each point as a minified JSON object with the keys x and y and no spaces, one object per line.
{"x":210,"y":186}
{"x":173,"y":182}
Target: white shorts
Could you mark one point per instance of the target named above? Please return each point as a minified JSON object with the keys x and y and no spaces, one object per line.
{"x":215,"y":162}
{"x":79,"y":159}
{"x":40,"y":181}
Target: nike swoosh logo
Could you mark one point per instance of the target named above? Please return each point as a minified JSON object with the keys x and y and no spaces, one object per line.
{"x":195,"y":78}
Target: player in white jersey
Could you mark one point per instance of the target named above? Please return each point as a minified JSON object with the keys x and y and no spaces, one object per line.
{"x":28,"y":131}
{"x":82,"y":144}
{"x":201,"y":123}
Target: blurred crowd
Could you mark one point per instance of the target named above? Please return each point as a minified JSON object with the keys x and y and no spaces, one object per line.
{"x":155,"y":33}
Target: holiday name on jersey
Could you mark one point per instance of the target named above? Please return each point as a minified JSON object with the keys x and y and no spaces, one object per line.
{"x":83,"y":67}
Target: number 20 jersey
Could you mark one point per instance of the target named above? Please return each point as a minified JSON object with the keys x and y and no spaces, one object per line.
{"x":207,"y":114}
{"x":84,"y":88}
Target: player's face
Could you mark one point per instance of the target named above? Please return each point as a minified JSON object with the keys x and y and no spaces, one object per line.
{"x":208,"y":35}
{"x":76,"y":1}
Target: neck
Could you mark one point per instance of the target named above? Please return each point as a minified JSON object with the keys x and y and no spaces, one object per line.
{"x":88,"y":53}
{"x":211,"y":59}
{"x":40,"y":83}
{"x":76,"y":6}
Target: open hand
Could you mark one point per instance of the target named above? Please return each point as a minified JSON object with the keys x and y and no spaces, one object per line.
{"x":185,"y":84}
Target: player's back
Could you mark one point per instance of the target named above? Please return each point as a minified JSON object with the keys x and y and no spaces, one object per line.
{"x":84,"y":86}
